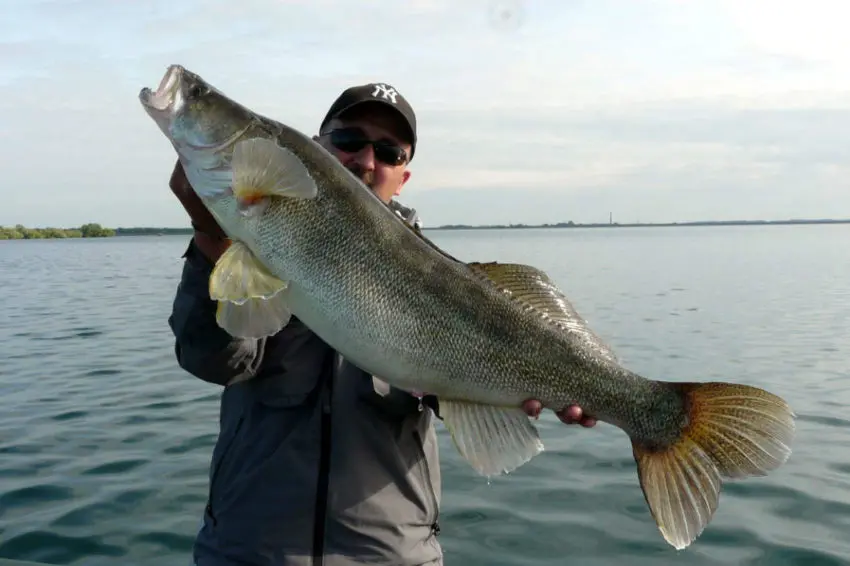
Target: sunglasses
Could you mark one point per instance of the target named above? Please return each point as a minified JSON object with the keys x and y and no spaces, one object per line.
{"x":352,"y":140}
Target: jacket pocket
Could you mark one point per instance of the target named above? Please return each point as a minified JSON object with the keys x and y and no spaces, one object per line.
{"x":287,"y":390}
{"x":428,"y":477}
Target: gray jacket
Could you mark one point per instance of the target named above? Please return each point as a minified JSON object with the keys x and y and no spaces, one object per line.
{"x":316,"y":462}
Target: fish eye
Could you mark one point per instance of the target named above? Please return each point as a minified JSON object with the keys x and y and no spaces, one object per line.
{"x":196,"y":91}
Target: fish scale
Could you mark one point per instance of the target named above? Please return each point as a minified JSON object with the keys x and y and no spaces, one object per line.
{"x":308,"y":239}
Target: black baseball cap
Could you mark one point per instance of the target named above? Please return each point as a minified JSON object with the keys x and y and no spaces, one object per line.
{"x":381,"y":93}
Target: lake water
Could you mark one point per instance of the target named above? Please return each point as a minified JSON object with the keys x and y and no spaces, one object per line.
{"x":105,"y":441}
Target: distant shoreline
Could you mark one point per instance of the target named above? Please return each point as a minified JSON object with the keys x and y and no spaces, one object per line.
{"x":143,"y":231}
{"x":21,"y":232}
{"x":642,"y":224}
{"x":95,"y":230}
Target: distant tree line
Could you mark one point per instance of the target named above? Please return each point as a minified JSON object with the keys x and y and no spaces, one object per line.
{"x":20,"y":232}
{"x":152,"y":231}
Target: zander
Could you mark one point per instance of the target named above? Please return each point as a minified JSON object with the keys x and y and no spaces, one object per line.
{"x":310,"y":240}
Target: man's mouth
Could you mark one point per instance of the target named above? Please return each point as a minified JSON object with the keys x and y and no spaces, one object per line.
{"x":368,"y":177}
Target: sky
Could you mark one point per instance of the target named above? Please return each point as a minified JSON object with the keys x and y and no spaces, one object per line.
{"x":529,"y":111}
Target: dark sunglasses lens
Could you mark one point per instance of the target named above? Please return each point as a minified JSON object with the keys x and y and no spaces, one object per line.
{"x":352,"y":140}
{"x":349,"y":140}
{"x":390,"y":154}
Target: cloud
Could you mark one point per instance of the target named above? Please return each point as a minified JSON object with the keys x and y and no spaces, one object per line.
{"x":574,"y":149}
{"x":528,"y":109}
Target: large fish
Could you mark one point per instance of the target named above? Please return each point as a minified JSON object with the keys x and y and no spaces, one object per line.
{"x":310,"y":240}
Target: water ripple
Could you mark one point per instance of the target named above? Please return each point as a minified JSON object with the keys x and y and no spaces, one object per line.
{"x":58,"y":549}
{"x":105,"y":443}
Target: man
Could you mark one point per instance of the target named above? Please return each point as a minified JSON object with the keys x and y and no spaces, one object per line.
{"x":316,"y":461}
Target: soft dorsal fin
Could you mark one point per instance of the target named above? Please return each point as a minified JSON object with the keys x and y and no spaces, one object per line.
{"x":534,"y":289}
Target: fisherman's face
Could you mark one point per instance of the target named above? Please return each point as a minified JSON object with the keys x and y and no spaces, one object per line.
{"x":383,"y":170}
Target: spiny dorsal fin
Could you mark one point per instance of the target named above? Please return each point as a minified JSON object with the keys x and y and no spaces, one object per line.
{"x":534,"y":289}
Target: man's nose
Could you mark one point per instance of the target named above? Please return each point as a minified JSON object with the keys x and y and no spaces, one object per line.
{"x":366,"y":157}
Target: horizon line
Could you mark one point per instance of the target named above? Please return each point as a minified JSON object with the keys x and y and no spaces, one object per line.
{"x":561,"y":224}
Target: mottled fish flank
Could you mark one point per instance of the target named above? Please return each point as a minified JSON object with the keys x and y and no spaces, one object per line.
{"x":309,"y":239}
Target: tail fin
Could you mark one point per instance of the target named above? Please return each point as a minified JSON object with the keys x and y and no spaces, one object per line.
{"x":733,"y":431}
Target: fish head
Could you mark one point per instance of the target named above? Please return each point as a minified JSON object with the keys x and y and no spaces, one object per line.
{"x":206,"y":127}
{"x":195,"y":116}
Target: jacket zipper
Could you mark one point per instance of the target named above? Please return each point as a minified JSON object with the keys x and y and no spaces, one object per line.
{"x":435,"y":525}
{"x":324,"y":470}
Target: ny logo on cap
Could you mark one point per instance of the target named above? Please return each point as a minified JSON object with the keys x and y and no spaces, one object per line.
{"x":386,"y":91}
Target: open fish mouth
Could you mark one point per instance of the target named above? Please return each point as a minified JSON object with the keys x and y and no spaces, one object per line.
{"x":164,"y":97}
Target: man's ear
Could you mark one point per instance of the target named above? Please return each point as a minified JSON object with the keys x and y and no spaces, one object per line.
{"x":404,"y":178}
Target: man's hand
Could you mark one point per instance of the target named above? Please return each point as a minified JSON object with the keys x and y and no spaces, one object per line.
{"x":209,"y":236}
{"x":568,"y":415}
{"x":201,"y":217}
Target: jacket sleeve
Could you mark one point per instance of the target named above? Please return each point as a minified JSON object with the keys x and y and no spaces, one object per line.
{"x":202,"y":347}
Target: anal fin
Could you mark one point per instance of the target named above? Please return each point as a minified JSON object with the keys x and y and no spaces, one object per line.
{"x":493,"y":440}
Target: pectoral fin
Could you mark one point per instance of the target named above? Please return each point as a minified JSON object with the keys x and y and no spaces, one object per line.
{"x":535,"y":290}
{"x":251,"y":302}
{"x":263,"y":169}
{"x":492,"y":439}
